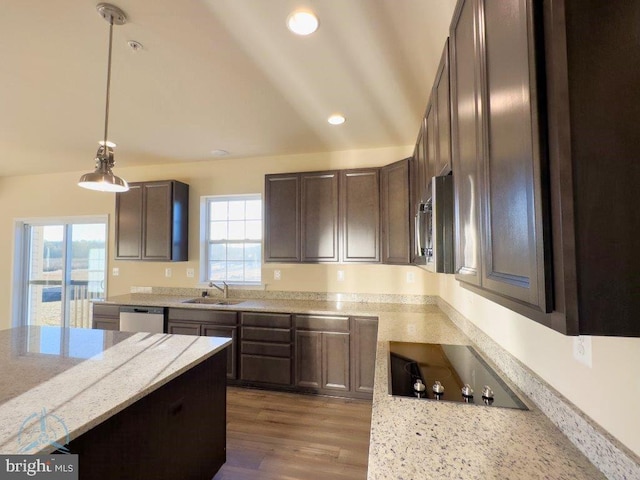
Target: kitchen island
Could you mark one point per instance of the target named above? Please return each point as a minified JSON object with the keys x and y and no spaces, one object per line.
{"x":132,"y":405}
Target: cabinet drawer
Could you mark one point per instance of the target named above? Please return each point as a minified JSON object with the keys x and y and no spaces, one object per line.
{"x":269,"y":349}
{"x":278,"y":320}
{"x":323,"y":323}
{"x":106,"y":310}
{"x":205,"y":316}
{"x":265,"y":369}
{"x":266,"y":334}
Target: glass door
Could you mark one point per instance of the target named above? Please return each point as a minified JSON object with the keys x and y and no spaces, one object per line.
{"x":65,"y":268}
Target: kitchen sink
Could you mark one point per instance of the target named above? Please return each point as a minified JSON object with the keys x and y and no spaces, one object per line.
{"x":212,"y":301}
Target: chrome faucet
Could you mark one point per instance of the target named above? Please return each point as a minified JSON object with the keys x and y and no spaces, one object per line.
{"x":224,"y":290}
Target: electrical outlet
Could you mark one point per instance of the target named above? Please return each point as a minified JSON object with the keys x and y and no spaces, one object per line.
{"x":582,"y":350}
{"x":167,"y":272}
{"x":277,"y":275}
{"x":115,"y":272}
{"x":411,"y":277}
{"x":341,"y":275}
{"x":190,"y":272}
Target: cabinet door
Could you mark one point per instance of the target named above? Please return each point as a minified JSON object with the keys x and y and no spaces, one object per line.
{"x":282,"y":218}
{"x":513,"y":238}
{"x":157,"y":221}
{"x":363,"y":354}
{"x":128,"y":223}
{"x":360,"y":212}
{"x":308,"y":348}
{"x":396,"y":222}
{"x":442,"y":164}
{"x":319,"y":216}
{"x":431,"y":143}
{"x":106,"y":323}
{"x":422,"y":166}
{"x":335,"y":361}
{"x":466,"y":146}
{"x":222,"y":331}
{"x":181,"y":328}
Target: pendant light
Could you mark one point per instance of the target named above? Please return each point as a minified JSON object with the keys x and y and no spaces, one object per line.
{"x":102,"y":178}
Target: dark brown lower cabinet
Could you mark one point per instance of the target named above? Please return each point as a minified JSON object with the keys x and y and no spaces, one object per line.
{"x":106,"y":316}
{"x":265,"y":348}
{"x":177,"y":431}
{"x":364,"y":340}
{"x":322,"y":353}
{"x":210,"y":323}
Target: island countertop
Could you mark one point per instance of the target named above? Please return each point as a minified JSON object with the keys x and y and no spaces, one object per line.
{"x":68,"y":380}
{"x":417,"y":439}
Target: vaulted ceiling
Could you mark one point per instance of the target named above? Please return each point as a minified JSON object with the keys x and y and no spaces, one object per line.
{"x":212,"y":74}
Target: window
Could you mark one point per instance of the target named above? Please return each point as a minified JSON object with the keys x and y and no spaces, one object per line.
{"x":233,"y":239}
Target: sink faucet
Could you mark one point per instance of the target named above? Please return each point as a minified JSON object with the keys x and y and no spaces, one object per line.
{"x":224,"y":290}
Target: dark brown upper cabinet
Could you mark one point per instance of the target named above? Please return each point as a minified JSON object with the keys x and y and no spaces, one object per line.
{"x":593,"y":103}
{"x":421,"y":168}
{"x":326,"y":216}
{"x":152,"y":220}
{"x":319,"y":216}
{"x":442,"y":104}
{"x":502,"y":244}
{"x":397,"y":239}
{"x":360,"y":215}
{"x":282,"y":218}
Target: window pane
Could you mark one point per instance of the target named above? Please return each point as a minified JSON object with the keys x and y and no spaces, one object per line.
{"x":235,"y":271}
{"x":236,"y":251}
{"x":252,"y":252}
{"x":254,"y":210}
{"x":218,"y":251}
{"x":236,"y":230}
{"x":254,"y":230}
{"x":218,"y":231}
{"x":218,"y":210}
{"x":218,"y":271}
{"x":236,"y":210}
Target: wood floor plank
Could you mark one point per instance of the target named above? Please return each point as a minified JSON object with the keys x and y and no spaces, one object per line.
{"x":285,"y":436}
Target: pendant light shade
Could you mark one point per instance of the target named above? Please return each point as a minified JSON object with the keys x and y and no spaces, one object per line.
{"x":102,"y":178}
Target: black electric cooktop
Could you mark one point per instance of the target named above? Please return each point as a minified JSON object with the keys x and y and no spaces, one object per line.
{"x":454,"y":373}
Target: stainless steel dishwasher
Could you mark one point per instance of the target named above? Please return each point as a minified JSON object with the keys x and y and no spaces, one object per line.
{"x":142,"y":319}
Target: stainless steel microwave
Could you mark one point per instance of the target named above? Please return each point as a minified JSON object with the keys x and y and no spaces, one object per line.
{"x":434,"y":227}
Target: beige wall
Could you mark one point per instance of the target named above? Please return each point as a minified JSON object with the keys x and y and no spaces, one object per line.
{"x":615,"y":361}
{"x":57,"y":195}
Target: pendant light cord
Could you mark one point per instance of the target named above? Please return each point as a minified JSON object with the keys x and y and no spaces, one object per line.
{"x":106,"y":110}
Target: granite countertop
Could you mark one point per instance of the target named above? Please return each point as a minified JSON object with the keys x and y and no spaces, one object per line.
{"x":418,"y":439}
{"x":70,"y":380}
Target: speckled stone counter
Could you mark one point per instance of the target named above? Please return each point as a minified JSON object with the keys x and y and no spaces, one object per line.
{"x":418,"y":439}
{"x":70,"y":380}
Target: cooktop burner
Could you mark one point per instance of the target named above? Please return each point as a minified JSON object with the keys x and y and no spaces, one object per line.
{"x":454,"y":373}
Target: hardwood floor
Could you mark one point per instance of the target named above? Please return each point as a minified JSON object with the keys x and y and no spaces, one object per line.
{"x":284,"y":436}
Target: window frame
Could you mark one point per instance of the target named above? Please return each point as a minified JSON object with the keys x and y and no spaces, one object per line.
{"x":205,"y":241}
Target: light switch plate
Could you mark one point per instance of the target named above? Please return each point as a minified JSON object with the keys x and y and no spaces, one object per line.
{"x":582,"y":350}
{"x":341,"y":275}
{"x":115,"y":272}
{"x":167,"y":272}
{"x":411,"y":277}
{"x":277,"y":275}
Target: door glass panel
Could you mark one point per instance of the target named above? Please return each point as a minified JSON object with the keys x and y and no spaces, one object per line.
{"x":65,"y":269}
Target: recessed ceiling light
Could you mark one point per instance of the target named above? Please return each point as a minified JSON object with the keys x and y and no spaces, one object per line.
{"x":109,"y":144}
{"x":336,"y":119}
{"x":219,"y":153}
{"x":302,"y":22}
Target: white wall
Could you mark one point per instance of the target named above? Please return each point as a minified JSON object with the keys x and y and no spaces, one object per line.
{"x":615,"y":361}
